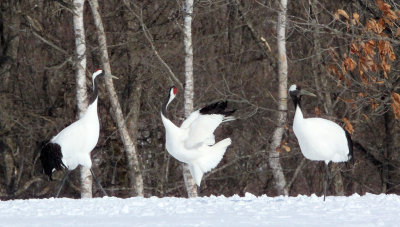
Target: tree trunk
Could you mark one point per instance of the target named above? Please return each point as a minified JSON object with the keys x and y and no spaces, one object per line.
{"x":189,"y":86}
{"x":321,"y":84}
{"x":7,"y":160}
{"x":136,"y":91}
{"x":385,"y":163}
{"x":11,"y":20}
{"x":81,"y":91}
{"x":392,"y":147}
{"x":274,"y":159}
{"x":134,"y":170}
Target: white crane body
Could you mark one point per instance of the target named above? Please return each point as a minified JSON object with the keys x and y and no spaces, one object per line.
{"x":194,"y":142}
{"x":72,"y":146}
{"x":75,"y":143}
{"x":319,"y":139}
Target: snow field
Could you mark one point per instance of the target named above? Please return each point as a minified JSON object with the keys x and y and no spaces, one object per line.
{"x":368,"y":210}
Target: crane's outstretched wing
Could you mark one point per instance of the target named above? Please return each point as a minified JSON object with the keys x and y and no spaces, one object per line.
{"x":201,"y":131}
{"x":201,"y":124}
{"x":192,"y":117}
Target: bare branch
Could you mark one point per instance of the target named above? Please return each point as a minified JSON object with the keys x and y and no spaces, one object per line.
{"x":149,"y":38}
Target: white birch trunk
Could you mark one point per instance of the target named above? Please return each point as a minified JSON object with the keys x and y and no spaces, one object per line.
{"x":81,"y":91}
{"x":189,"y":86}
{"x":274,"y":159}
{"x":135,"y":174}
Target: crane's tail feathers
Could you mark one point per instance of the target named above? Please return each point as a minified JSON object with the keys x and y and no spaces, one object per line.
{"x":350,"y":146}
{"x":210,"y":160}
{"x":51,"y":158}
{"x":214,"y":155}
{"x":196,"y":173}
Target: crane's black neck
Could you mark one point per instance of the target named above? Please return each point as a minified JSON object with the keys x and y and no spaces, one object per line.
{"x":94,"y":94}
{"x":296,"y":100}
{"x":165,"y":104}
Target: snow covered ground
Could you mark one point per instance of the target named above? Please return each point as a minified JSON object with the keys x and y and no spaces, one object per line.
{"x":368,"y":210}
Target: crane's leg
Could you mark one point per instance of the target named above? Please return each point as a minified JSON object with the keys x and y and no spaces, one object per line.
{"x":326,"y":178}
{"x":98,"y":184}
{"x":63,"y":182}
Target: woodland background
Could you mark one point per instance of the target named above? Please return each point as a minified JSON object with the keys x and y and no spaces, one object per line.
{"x":344,"y":51}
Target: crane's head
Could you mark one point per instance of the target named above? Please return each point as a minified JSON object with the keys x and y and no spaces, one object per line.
{"x":100,"y":73}
{"x":296,"y":91}
{"x":172,"y":93}
{"x":97,"y":73}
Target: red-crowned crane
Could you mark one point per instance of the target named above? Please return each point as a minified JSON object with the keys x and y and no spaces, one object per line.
{"x":72,"y":146}
{"x":194,"y":143}
{"x":319,"y":139}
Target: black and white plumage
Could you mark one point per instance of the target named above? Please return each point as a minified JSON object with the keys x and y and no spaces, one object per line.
{"x":319,"y":139}
{"x":194,"y":142}
{"x":72,"y":146}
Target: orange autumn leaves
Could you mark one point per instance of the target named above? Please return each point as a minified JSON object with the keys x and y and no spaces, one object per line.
{"x":348,"y":126}
{"x":342,"y":13}
{"x":396,"y":104}
{"x":367,"y":62}
{"x":388,"y":14}
{"x":371,"y":58}
{"x":283,"y":147}
{"x":363,"y":53}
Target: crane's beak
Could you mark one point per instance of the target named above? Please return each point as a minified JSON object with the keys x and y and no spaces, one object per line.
{"x":304,"y":92}
{"x":110,"y":75}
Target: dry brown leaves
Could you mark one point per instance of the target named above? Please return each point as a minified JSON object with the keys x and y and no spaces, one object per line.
{"x":283,"y":147}
{"x":348,"y":126}
{"x":396,"y":105}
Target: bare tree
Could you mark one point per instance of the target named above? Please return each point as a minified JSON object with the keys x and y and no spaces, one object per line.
{"x":189,"y":85}
{"x":81,"y":91}
{"x":321,"y":84}
{"x":135,"y":174}
{"x":135,"y":97}
{"x":274,"y":160}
